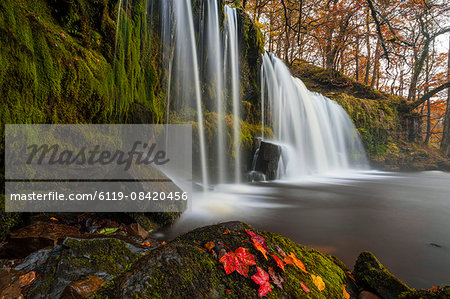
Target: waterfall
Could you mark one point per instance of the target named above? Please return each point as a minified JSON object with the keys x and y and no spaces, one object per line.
{"x":232,"y":38}
{"x":180,"y":53}
{"x":117,"y":27}
{"x":202,"y":71}
{"x":215,"y":68}
{"x":317,"y":135}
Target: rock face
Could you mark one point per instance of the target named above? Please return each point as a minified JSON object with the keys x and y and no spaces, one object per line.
{"x":189,"y":267}
{"x":372,"y":275}
{"x":268,"y":159}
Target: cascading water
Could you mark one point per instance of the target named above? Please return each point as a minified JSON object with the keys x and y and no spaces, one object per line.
{"x":232,"y":38}
{"x":317,"y":135}
{"x":215,"y":68}
{"x":184,"y":68}
{"x":181,"y":63}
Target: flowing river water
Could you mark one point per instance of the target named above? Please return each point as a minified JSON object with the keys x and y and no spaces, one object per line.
{"x":403,"y":218}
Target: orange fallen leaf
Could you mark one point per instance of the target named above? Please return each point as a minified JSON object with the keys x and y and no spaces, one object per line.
{"x":291,"y":259}
{"x":210,"y":245}
{"x":227,"y":232}
{"x":318,"y":281}
{"x":434,"y":289}
{"x":27,"y":279}
{"x":346,"y":294}
{"x":54,"y":219}
{"x":260,"y":248}
{"x":146,"y":244}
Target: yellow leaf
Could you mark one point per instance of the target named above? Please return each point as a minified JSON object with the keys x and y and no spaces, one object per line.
{"x":346,"y":294}
{"x":318,"y":282}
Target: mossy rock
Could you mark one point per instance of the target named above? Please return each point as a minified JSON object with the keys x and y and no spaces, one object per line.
{"x":441,"y":292}
{"x":372,"y":275}
{"x":184,"y":268}
{"x":77,"y":258}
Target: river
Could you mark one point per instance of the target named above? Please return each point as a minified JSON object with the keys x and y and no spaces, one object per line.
{"x":403,"y":218}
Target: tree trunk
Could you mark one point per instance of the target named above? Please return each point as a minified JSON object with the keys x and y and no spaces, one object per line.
{"x":376,"y":64}
{"x":357,"y":59}
{"x":427,"y":78}
{"x":445,"y":144}
{"x":366,"y":76}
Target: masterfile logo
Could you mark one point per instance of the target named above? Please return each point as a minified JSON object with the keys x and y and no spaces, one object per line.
{"x":97,"y":168}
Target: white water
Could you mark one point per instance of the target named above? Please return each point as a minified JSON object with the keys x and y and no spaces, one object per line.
{"x":215,"y":68}
{"x":181,"y":47}
{"x":117,"y":27}
{"x":232,"y":38}
{"x":316,"y":133}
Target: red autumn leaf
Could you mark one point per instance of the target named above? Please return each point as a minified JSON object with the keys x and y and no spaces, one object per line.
{"x":239,"y":260}
{"x":305,"y":288}
{"x":279,"y":261}
{"x":229,"y":261}
{"x":262,"y":279}
{"x":275,"y":278}
{"x":258,"y":238}
{"x":291,"y":259}
{"x":260,"y":248}
{"x":227,"y":232}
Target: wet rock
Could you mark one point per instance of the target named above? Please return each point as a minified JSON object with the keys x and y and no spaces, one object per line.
{"x":268,"y":158}
{"x":34,"y":237}
{"x":34,"y":261}
{"x":256,"y":176}
{"x":185,"y":269}
{"x":78,"y":258}
{"x":434,"y":292}
{"x":372,"y":275}
{"x":82,"y":288}
{"x":136,"y":230}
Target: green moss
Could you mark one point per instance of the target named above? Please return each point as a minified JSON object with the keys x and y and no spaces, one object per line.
{"x":372,"y":275}
{"x":8,"y":221}
{"x":105,"y":257}
{"x":376,"y":121}
{"x":183,"y":269}
{"x":441,"y":292}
